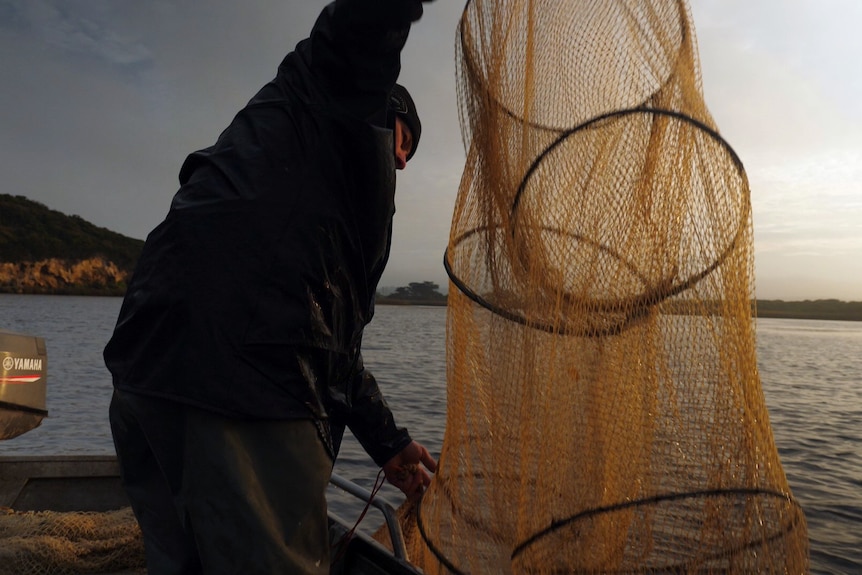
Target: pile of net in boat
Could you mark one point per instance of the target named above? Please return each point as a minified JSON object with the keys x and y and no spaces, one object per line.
{"x":60,"y":543}
{"x":605,"y":412}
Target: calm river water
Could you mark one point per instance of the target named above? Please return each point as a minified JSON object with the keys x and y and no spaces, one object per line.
{"x":811,"y":373}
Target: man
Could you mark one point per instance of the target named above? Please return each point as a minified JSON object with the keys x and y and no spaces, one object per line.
{"x":236,"y":358}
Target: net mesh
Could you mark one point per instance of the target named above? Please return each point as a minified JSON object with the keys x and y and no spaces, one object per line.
{"x":605,"y":412}
{"x":61,"y":543}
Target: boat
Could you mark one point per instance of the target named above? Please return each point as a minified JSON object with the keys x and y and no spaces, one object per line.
{"x":23,"y":383}
{"x":71,"y":487}
{"x":91,"y":483}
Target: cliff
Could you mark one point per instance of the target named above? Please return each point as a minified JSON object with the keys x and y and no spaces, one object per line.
{"x":43,"y":251}
{"x":94,"y":276}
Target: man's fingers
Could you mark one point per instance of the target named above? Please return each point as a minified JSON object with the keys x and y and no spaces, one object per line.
{"x":422,"y":478}
{"x":428,"y":461}
{"x":412,"y":484}
{"x":407,"y":471}
{"x":417,"y":483}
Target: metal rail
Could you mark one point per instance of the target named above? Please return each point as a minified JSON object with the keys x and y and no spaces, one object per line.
{"x":386,"y":508}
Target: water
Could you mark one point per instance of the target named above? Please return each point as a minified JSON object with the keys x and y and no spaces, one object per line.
{"x":811,"y":373}
{"x":812,"y":378}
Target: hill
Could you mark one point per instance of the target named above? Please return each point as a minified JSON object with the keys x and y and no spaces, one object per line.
{"x":45,"y":251}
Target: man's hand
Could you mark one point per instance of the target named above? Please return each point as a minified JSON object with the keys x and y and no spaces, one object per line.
{"x":404,"y":472}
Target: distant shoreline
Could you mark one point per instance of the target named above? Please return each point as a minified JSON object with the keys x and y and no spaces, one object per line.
{"x":828,"y":310}
{"x":813,"y":316}
{"x":388,"y":301}
{"x":821,"y":309}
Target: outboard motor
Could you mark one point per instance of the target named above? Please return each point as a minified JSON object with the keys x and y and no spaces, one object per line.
{"x":23,"y":383}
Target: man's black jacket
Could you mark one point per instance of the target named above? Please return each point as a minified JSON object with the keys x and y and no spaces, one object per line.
{"x":251,"y":297}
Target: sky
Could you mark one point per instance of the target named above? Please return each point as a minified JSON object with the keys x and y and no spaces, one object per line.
{"x":104,"y":99}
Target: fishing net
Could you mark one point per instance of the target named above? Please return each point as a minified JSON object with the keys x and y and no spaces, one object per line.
{"x":59,"y":543}
{"x":605,"y":413}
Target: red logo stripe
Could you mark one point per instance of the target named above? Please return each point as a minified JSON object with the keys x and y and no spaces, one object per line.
{"x":17,"y":379}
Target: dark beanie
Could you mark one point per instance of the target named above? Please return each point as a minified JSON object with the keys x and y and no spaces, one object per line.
{"x":402,"y":104}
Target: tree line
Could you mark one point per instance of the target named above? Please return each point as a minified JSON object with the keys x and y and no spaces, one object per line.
{"x":828,"y":309}
{"x":422,"y":293}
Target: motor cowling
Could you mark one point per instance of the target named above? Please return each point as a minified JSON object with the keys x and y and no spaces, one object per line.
{"x":23,"y":383}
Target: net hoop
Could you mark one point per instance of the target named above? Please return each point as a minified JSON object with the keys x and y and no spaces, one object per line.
{"x":480,"y":79}
{"x":630,"y":308}
{"x":796,"y":520}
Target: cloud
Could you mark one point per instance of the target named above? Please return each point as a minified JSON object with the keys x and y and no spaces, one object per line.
{"x":83,"y":28}
{"x":778,"y":80}
{"x":811,"y":206}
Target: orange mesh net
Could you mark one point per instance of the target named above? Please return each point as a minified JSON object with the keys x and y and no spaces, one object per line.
{"x":61,"y":543}
{"x":605,"y":412}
